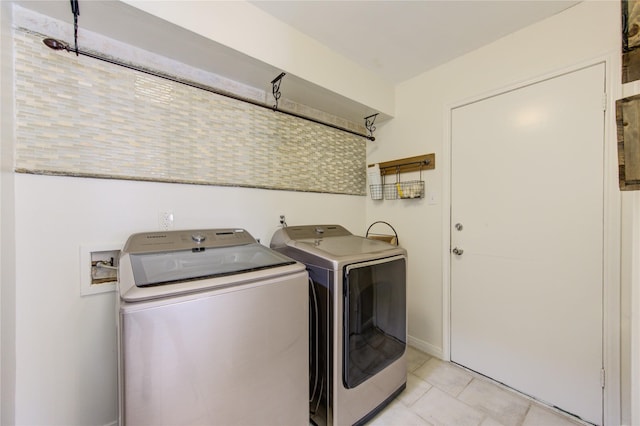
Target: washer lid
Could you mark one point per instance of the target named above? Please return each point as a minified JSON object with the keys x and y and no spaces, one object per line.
{"x":342,"y":246}
{"x":169,"y":267}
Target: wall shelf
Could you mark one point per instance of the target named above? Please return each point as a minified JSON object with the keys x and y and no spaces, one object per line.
{"x":409,"y":164}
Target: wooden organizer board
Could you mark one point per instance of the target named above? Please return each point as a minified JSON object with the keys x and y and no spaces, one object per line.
{"x":409,"y":164}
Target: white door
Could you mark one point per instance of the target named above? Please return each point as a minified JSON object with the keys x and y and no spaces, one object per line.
{"x":527,"y":222}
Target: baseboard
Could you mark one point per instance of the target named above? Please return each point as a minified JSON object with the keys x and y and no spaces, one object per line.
{"x":425,"y":347}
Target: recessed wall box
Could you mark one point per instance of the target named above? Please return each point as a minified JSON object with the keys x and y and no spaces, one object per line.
{"x":98,"y":268}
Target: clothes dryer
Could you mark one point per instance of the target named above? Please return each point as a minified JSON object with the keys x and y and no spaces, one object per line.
{"x":358,"y":320}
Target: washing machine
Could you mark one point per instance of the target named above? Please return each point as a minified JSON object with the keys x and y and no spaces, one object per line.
{"x":212,"y":330}
{"x":358,"y":320}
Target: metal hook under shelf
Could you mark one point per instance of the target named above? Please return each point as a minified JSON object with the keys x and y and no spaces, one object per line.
{"x":397,"y":167}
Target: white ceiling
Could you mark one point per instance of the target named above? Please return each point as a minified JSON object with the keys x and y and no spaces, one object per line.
{"x":401,"y":39}
{"x":395,"y":39}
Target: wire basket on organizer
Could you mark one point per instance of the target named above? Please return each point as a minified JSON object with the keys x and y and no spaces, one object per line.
{"x":392,"y":191}
{"x":412,"y":188}
{"x":387,"y":238}
{"x":404,"y":190}
{"x":376,"y":190}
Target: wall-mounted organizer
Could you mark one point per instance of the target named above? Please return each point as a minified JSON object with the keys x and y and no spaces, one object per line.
{"x":411,"y":189}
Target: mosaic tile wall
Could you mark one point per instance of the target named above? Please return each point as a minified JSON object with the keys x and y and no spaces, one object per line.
{"x":79,"y":116}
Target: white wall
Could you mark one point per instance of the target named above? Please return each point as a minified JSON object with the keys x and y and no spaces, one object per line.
{"x":587,"y":32}
{"x":634,"y":329}
{"x":630,"y":295}
{"x":7,"y":256}
{"x":630,"y":308}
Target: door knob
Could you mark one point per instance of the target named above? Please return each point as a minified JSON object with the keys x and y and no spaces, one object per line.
{"x":457,"y":251}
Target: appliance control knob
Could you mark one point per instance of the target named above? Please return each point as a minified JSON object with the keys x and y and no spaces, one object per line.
{"x":319,"y":230}
{"x":198,"y":238}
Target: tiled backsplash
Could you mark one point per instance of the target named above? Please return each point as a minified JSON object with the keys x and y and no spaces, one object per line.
{"x":80,"y":116}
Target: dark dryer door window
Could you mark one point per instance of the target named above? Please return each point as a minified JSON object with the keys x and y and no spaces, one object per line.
{"x":375,"y":315}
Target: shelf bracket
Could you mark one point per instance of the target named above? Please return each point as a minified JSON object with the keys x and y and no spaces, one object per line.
{"x":275,"y":88}
{"x":368,"y":123}
{"x":75,"y":9}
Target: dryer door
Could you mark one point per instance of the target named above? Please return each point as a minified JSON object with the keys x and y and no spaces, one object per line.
{"x":375,"y":326}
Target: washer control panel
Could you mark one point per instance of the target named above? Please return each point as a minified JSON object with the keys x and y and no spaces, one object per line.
{"x":150,"y":242}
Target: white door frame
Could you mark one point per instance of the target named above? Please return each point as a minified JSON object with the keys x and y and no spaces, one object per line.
{"x":611,"y":238}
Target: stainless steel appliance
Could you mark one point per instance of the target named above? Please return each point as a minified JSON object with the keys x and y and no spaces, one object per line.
{"x":213,"y":329}
{"x":358,"y":320}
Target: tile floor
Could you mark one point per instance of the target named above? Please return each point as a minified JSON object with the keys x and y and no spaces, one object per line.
{"x":441,"y":393}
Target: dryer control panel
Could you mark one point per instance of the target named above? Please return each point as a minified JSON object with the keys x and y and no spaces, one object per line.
{"x":306,"y":232}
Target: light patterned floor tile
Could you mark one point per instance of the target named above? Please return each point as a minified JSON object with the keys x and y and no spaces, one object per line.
{"x":502,"y":405}
{"x":539,"y":416}
{"x":490,"y":422}
{"x":444,"y":375}
{"x":415,"y":359}
{"x":397,"y":414}
{"x":416,"y":387}
{"x":440,"y":393}
{"x":442,"y":409}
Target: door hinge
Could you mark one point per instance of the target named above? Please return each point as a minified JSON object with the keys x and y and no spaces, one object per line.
{"x":604,"y":101}
{"x":602,"y":377}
